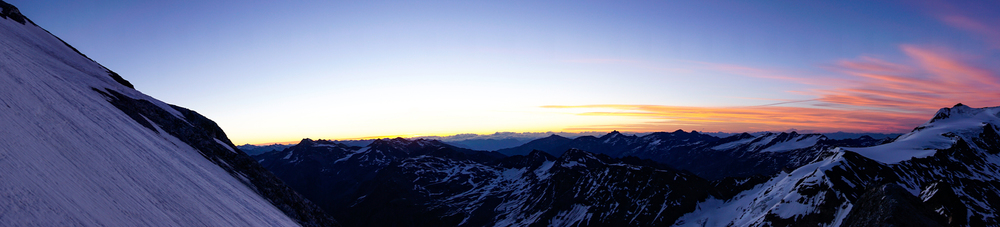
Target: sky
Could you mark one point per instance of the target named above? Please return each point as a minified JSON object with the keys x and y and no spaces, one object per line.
{"x":276,"y":71}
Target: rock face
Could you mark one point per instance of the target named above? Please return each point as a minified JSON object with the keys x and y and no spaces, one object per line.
{"x":81,"y":147}
{"x":891,"y":205}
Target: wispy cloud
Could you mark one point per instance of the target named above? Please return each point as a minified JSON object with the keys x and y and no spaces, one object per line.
{"x":935,"y":79}
{"x":871,"y":95}
{"x":755,"y":118}
{"x":866,"y":93}
{"x":988,"y":32}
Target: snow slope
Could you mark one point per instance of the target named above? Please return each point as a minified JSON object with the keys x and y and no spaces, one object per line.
{"x":951,"y":163}
{"x":69,"y":157}
{"x":948,"y":125}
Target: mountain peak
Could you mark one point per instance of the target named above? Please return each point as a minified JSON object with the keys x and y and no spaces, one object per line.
{"x":959,"y":110}
{"x":612,"y":134}
{"x":573,"y":152}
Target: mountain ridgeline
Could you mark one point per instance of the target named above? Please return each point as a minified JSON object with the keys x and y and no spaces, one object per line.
{"x":943,"y":173}
{"x":710,"y":157}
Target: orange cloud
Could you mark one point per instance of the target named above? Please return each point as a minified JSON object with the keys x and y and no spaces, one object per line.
{"x":755,"y":118}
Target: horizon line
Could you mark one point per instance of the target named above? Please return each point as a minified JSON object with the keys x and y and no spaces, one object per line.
{"x":288,"y":142}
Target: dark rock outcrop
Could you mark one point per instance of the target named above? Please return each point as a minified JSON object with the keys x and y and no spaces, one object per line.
{"x":891,"y":205}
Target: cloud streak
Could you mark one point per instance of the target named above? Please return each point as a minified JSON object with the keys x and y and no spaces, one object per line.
{"x":756,"y":118}
{"x":988,"y":33}
{"x":865,"y":94}
{"x":870,"y":95}
{"x":936,"y":78}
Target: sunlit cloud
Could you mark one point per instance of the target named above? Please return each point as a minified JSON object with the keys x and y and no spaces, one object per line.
{"x":753,"y":118}
{"x":869,"y":94}
{"x":936,"y":79}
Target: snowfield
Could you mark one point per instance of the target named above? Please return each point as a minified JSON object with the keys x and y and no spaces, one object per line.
{"x":70,"y":158}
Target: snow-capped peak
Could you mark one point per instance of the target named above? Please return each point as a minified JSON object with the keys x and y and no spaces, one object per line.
{"x":947,"y":127}
{"x":957,"y":111}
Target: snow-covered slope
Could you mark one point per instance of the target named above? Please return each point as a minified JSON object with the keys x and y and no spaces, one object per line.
{"x":80,"y":147}
{"x":947,"y":126}
{"x":950,"y":165}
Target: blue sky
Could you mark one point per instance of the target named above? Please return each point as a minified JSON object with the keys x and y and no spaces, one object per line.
{"x":271,"y":71}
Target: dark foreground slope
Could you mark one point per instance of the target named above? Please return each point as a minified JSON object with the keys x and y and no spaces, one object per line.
{"x":80,"y":147}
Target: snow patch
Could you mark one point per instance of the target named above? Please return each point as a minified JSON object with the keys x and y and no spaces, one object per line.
{"x":576,"y":215}
{"x":802,"y":142}
{"x":734,"y":144}
{"x":224,"y":145}
{"x":543,"y":171}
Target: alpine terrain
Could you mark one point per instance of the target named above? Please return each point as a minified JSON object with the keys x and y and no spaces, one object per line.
{"x":80,"y":147}
{"x":943,"y":173}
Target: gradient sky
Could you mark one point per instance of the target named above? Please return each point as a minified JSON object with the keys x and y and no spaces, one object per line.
{"x":270,"y":71}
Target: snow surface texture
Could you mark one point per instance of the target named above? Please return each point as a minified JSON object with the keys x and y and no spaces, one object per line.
{"x":772,"y":142}
{"x":70,"y":158}
{"x":778,"y":196}
{"x":948,"y":125}
{"x":955,"y":148}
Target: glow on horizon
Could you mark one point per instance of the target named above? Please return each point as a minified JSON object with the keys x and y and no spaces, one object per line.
{"x":270,"y":72}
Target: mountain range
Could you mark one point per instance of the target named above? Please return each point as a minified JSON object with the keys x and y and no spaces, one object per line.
{"x":943,"y":173}
{"x":80,"y":146}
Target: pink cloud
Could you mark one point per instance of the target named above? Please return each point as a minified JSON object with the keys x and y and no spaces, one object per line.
{"x":936,"y":79}
{"x":873,"y":95}
{"x":989,"y":33}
